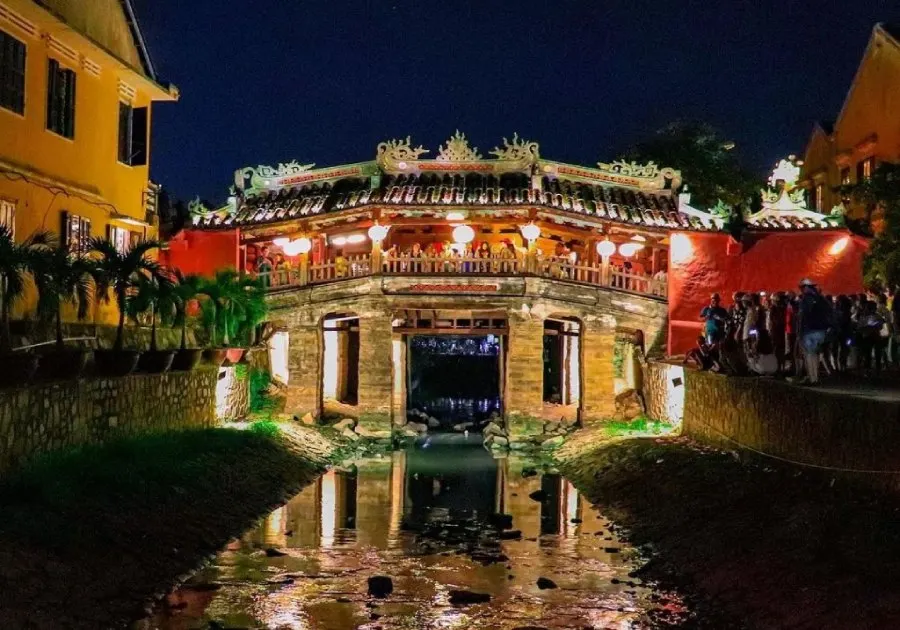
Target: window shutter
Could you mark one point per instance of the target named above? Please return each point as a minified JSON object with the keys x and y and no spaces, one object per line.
{"x":140,"y":119}
{"x":70,"y":104}
{"x":124,"y":133}
{"x":64,"y":229}
{"x":52,"y":93}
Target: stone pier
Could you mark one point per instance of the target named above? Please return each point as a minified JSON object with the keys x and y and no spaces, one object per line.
{"x":523,"y":389}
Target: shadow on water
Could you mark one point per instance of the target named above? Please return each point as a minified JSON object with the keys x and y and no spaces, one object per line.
{"x":429,"y":518}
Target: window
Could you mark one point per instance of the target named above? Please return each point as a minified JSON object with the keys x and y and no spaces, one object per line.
{"x":864,"y":169}
{"x":12,"y":74}
{"x":120,"y":237}
{"x":8,"y":215}
{"x":76,"y":233}
{"x":817,"y":196}
{"x":132,"y":135}
{"x":61,"y":100}
{"x":845,"y":176}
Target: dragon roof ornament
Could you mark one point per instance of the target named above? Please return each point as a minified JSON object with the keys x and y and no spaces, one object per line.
{"x":630,"y":169}
{"x":517,"y":150}
{"x":394,"y":153}
{"x":261,"y":176}
{"x":457,"y":149}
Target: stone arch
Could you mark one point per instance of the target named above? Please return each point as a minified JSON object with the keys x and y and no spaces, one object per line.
{"x":563,"y":361}
{"x":340,"y":343}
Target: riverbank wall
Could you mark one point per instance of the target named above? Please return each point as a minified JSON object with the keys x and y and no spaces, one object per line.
{"x":844,"y":431}
{"x":47,"y":417}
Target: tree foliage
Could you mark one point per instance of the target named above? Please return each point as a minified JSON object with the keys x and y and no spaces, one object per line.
{"x":709,"y":166}
{"x":17,"y":262}
{"x":881,"y":194}
{"x":234,"y":307}
{"x":61,"y":278}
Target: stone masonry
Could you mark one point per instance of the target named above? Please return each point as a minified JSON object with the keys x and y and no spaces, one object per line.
{"x":47,"y":417}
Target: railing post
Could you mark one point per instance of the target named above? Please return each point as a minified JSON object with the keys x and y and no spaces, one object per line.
{"x":605,"y":271}
{"x":303,"y":270}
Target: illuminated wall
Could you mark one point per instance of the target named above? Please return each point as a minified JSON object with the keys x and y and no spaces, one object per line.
{"x":701,"y":264}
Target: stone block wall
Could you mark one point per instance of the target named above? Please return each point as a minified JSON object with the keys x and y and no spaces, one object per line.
{"x":47,"y":417}
{"x":663,"y":388}
{"x":842,"y":431}
{"x":524,"y":375}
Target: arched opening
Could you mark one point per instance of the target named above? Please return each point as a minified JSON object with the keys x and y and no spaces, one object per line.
{"x":562,"y":367}
{"x":340,"y":359}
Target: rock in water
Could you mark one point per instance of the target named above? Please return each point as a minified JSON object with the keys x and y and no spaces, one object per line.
{"x":271,"y":552}
{"x":501,"y":521}
{"x":308,"y":419}
{"x":498,"y":441}
{"x":468,"y":597}
{"x":346,"y":423}
{"x":433,"y":423}
{"x":545,"y":583}
{"x":350,"y":434}
{"x":463,"y":426}
{"x":554,"y":442}
{"x":629,"y":405}
{"x":380,"y":586}
{"x":492,"y":428}
{"x":418,"y":427}
{"x":510,"y":534}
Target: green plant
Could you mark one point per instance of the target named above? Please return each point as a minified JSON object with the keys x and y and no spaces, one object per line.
{"x":260,"y":401}
{"x":235,"y":307}
{"x":16,"y":263}
{"x":156,"y":294}
{"x":266,"y":427}
{"x":619,"y":359}
{"x":188,"y":289}
{"x":62,"y":278}
{"x":122,"y":272}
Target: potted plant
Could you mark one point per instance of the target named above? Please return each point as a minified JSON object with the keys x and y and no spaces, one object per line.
{"x":63,"y":278}
{"x":16,"y":262}
{"x":254,"y":310}
{"x":188,"y":289}
{"x":213,"y":291}
{"x":155,"y":295}
{"x":120,"y":272}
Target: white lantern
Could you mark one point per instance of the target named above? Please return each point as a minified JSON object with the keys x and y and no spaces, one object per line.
{"x":356,"y":239}
{"x":629,"y":249}
{"x":531,"y":232}
{"x":378,"y":232}
{"x":281,"y":242}
{"x":463,"y":234}
{"x":606,"y":248}
{"x":300,"y":246}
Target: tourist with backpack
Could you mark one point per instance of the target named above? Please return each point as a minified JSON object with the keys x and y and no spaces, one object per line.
{"x":815,"y":320}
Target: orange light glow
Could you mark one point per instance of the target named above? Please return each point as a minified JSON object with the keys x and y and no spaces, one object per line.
{"x":839,"y":245}
{"x":680,"y":247}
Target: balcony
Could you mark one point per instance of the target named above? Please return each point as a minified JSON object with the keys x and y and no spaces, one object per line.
{"x":560,"y":269}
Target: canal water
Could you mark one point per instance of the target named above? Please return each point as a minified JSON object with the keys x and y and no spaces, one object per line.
{"x":427,"y":517}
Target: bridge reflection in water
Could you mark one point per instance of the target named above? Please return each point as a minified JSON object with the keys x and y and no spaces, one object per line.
{"x":370,"y":518}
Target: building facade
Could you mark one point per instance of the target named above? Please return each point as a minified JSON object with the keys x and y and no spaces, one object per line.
{"x":866,"y":131}
{"x":76,"y":93}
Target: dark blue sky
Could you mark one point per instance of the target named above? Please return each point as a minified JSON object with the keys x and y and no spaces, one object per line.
{"x":323,"y":81}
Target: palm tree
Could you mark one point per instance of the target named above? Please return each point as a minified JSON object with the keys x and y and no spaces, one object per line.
{"x":188,"y":288}
{"x":16,"y":262}
{"x":63,"y":278}
{"x":236,"y":304}
{"x":157,"y":294}
{"x":122,"y":272}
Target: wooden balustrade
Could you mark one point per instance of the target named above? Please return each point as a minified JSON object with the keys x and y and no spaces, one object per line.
{"x":554,"y":268}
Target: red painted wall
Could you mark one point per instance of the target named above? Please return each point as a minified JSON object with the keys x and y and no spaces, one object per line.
{"x":701,"y":264}
{"x":204,"y":253}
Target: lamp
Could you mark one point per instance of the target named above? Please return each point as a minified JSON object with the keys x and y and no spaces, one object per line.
{"x":606,"y":248}
{"x":531,"y":232}
{"x":629,"y":249}
{"x":463,"y":234}
{"x":354,"y":239}
{"x":281,"y":241}
{"x":378,"y":232}
{"x":300,"y":246}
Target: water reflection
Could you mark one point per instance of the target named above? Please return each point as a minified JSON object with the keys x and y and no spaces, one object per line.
{"x":420,"y":516}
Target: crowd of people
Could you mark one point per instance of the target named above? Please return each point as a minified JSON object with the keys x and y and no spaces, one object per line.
{"x":799,"y":334}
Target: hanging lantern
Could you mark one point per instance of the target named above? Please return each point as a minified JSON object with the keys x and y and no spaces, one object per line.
{"x":531,"y":232}
{"x":629,"y":249}
{"x":300,"y":246}
{"x":281,"y":242}
{"x":606,"y":248}
{"x":463,"y":234}
{"x":378,"y":232}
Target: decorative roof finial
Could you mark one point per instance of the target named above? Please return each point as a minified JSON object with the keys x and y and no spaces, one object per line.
{"x":458,"y":150}
{"x":517,"y":150}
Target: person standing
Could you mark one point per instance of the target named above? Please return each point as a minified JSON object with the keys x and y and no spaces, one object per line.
{"x":813,"y":324}
{"x":715,"y":318}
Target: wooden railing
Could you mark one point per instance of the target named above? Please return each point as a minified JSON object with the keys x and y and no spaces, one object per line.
{"x":555,"y":268}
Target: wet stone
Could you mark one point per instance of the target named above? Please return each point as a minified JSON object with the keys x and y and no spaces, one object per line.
{"x":380,"y":586}
{"x":462,"y":597}
{"x":545,"y":583}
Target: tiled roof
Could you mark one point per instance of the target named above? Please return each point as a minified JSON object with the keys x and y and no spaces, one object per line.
{"x":514,"y":189}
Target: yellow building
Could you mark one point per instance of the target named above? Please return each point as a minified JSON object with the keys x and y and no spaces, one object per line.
{"x":76,"y":89}
{"x":867,"y":130}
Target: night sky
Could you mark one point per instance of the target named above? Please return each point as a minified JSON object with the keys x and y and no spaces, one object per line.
{"x":323,"y":81}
